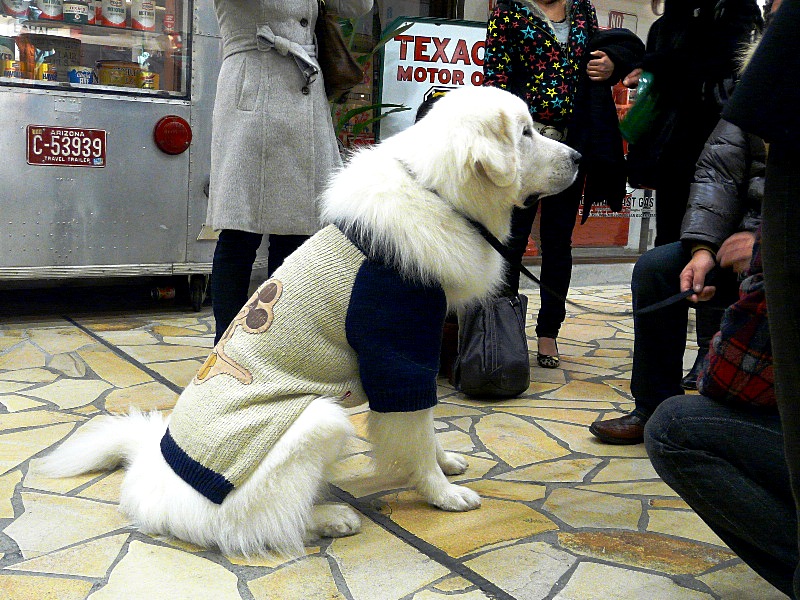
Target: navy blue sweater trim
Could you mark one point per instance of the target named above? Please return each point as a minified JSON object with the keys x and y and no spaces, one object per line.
{"x":209,"y":483}
{"x":395,"y":327}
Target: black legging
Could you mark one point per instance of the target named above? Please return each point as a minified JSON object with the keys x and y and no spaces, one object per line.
{"x":557,"y":223}
{"x":234,"y":256}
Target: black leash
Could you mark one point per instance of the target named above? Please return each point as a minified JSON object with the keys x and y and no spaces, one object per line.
{"x":505,"y":253}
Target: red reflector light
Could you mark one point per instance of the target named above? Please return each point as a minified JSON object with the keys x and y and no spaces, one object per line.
{"x":172,"y":134}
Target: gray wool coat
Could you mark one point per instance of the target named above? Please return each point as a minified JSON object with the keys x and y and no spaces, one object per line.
{"x":273,"y":146}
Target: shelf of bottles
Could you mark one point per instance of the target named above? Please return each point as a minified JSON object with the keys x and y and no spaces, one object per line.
{"x":137,"y":47}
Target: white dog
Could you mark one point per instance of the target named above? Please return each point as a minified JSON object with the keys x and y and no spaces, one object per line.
{"x":354,"y":315}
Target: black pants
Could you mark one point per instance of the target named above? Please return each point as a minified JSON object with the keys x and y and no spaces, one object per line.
{"x":234,"y":256}
{"x":781,"y":255}
{"x":558,"y":221}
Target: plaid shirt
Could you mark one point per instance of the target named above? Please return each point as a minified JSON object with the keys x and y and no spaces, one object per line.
{"x":739,"y":364}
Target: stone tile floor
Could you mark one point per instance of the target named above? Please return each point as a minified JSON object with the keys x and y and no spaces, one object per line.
{"x":563,"y":516}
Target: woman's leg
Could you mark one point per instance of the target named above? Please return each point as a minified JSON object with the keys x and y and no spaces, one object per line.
{"x":234,"y":256}
{"x":555,"y":232}
{"x":281,"y":246}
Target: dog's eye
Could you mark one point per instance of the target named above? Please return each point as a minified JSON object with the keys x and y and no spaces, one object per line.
{"x":527,"y":132}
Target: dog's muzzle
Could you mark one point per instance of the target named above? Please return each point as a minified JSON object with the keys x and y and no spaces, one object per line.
{"x":548,"y":131}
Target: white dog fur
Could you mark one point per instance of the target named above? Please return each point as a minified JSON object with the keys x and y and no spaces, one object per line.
{"x":476,"y":153}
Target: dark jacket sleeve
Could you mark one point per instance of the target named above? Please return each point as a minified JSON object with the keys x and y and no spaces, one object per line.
{"x":725,"y":196}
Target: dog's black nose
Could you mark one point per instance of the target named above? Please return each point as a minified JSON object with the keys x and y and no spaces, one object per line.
{"x":576,"y":157}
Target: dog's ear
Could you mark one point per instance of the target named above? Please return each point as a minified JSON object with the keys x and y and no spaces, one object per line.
{"x":494,"y":150}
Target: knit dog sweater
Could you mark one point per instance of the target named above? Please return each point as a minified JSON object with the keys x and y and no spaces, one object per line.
{"x":330,"y":321}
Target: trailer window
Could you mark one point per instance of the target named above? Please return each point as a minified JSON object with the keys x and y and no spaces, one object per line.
{"x":132,"y":47}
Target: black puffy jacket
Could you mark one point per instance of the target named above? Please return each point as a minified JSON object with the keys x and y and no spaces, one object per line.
{"x":728,"y":187}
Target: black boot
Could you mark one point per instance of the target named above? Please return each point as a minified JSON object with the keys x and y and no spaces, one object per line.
{"x":689,"y":382}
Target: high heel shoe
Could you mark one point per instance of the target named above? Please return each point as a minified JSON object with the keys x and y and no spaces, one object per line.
{"x":548,"y":361}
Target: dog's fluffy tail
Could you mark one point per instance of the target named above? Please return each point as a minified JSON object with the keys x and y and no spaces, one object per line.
{"x":103,"y":444}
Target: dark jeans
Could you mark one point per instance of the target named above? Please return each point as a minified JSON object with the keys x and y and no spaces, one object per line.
{"x":727,"y":463}
{"x":557,"y":223}
{"x":781,"y":255}
{"x":660,"y":336}
{"x":234,"y":256}
{"x":670,"y":207}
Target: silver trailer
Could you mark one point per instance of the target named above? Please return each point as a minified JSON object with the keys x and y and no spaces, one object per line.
{"x":98,"y":178}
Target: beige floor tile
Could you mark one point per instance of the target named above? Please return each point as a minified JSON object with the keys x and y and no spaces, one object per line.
{"x":452,"y":584}
{"x":516,"y":441}
{"x":566,"y":470}
{"x":59,"y":340}
{"x":148,"y":572}
{"x":106,"y":489}
{"x":495,"y":521}
{"x":740,"y":581}
{"x":272,"y":561}
{"x":22,"y":356}
{"x":314,"y":572}
{"x":507,"y":490}
{"x":51,"y":522}
{"x":8,"y":483}
{"x":646,"y":551}
{"x":633,"y":488}
{"x":19,"y":446}
{"x":68,"y":364}
{"x":130,"y":337}
{"x":593,"y":581}
{"x":456,"y":441}
{"x":587,"y":392}
{"x":34,"y":480}
{"x":161,"y":353}
{"x":432,"y":595}
{"x":35,"y":375}
{"x":9,"y":387}
{"x":110,"y":367}
{"x":445,"y":410}
{"x":579,"y":508}
{"x":14,"y":403}
{"x":146,"y":397}
{"x":525,"y":571}
{"x":400,"y":571}
{"x":172,"y":331}
{"x":70,"y":393}
{"x":35,"y":418}
{"x":463,"y":423}
{"x":179,"y":372}
{"x":28,"y":587}
{"x":626,"y":469}
{"x":681,"y":523}
{"x":577,"y":417}
{"x":580,"y":440}
{"x":667,"y":503}
{"x":91,"y":559}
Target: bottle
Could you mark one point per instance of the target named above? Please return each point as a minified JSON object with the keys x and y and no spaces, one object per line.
{"x":113,"y":13}
{"x":143,"y":15}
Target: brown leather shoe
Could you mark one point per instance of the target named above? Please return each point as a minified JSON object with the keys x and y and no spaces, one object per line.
{"x":623,"y":430}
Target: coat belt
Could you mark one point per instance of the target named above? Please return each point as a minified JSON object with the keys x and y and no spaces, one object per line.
{"x":265,"y":40}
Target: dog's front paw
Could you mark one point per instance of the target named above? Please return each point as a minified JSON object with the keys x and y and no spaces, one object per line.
{"x":452,"y":463}
{"x":335,"y":520}
{"x":456,"y":498}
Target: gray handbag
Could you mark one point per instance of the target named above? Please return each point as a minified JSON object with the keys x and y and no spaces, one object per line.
{"x":493,"y":360}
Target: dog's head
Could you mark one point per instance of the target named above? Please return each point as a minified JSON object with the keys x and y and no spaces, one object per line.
{"x":491,"y":135}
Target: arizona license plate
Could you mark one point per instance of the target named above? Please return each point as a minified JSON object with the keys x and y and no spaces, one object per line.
{"x":66,"y":146}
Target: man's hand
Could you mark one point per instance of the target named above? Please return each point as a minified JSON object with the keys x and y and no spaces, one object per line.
{"x":737,"y":251}
{"x":631,"y":80}
{"x":693,"y":276}
{"x":600,"y":67}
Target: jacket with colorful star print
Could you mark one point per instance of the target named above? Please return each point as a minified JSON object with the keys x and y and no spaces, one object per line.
{"x":524,"y":57}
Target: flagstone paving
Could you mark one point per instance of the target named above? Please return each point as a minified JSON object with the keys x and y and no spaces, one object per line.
{"x":563,"y":516}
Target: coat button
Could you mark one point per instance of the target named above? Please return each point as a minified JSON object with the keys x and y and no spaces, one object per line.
{"x":305,"y":90}
{"x":304,"y":22}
